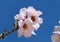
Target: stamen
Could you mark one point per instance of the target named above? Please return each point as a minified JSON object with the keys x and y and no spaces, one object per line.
{"x":26,"y":16}
{"x":25,"y":26}
{"x":33,"y":18}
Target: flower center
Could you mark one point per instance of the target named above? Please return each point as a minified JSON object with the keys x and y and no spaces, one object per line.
{"x":26,"y":16}
{"x":33,"y":18}
{"x":25,"y":26}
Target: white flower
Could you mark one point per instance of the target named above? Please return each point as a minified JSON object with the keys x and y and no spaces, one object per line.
{"x":26,"y":28}
{"x":28,"y":21}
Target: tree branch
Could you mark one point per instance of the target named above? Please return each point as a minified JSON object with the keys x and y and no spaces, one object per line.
{"x":2,"y":35}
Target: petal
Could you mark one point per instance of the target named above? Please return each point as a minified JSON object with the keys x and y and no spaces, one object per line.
{"x":37,"y":13}
{"x":20,"y":32}
{"x":33,"y":33}
{"x":20,"y":23}
{"x":33,"y":12}
{"x":19,"y":16}
{"x":30,"y":8}
{"x":40,"y":20}
{"x":36,"y":27}
{"x":27,"y":33}
{"x":16,"y":17}
{"x":30,"y":28}
{"x":22,"y":10}
{"x":28,"y":21}
{"x":22,"y":16}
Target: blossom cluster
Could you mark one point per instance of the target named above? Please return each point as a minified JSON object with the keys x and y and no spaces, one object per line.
{"x":28,"y":21}
{"x":56,"y":34}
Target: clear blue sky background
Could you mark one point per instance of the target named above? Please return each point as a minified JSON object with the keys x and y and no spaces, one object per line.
{"x":51,"y":16}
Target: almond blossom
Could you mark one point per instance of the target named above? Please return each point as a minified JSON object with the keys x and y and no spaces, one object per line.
{"x":28,"y":21}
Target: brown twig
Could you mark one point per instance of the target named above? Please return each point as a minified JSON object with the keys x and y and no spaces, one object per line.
{"x":4,"y":34}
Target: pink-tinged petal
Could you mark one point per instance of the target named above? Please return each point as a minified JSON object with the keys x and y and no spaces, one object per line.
{"x":16,"y":17}
{"x":31,"y":8}
{"x":27,"y":33}
{"x":40,"y":20}
{"x":22,"y":10}
{"x":28,"y":21}
{"x":32,"y":12}
{"x":20,"y":32}
{"x":20,"y":23}
{"x":19,"y":17}
{"x":30,"y":28}
{"x":22,"y":16}
{"x":33,"y":33}
{"x":38,"y":13}
{"x":37,"y":25}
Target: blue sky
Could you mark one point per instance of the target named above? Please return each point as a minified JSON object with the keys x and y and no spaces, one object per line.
{"x":51,"y":16}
